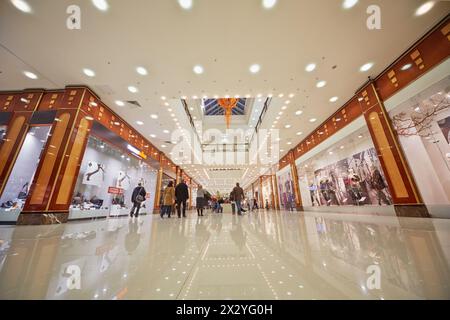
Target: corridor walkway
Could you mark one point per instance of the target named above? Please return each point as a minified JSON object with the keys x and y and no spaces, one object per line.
{"x":263,"y":255}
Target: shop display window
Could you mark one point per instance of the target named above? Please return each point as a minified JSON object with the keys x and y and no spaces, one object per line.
{"x":348,"y":173}
{"x":286,"y":189}
{"x":16,"y":189}
{"x":107,"y":178}
{"x":423,"y":126}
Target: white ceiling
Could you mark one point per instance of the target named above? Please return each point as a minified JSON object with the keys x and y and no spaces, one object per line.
{"x":225,"y":37}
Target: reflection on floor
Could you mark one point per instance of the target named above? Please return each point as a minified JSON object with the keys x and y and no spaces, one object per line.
{"x":262,"y":255}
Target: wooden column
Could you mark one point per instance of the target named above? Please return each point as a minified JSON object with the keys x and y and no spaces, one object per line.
{"x":294,"y":175}
{"x":274,"y":184}
{"x":159,"y":178}
{"x":272,"y":193}
{"x":54,"y":181}
{"x":405,"y":194}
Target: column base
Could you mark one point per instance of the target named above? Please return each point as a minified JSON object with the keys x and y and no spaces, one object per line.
{"x":26,"y":219}
{"x":300,"y":208}
{"x":412,"y":210}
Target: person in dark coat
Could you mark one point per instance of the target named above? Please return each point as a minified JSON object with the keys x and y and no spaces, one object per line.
{"x":239,"y":196}
{"x":181,"y":196}
{"x":137,"y":198}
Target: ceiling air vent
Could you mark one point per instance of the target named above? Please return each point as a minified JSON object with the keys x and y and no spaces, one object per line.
{"x":133,"y":104}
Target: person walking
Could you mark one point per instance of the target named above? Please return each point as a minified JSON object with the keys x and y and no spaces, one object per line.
{"x":200,"y":200}
{"x":168,"y":200}
{"x":137,"y":198}
{"x":181,"y":196}
{"x":238,"y":194}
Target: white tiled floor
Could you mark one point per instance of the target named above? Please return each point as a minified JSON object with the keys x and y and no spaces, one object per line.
{"x":264,"y":255}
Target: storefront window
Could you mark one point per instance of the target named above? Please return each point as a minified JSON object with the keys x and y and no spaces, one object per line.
{"x":423,"y":126}
{"x":16,"y":189}
{"x":348,"y":173}
{"x":286,"y":189}
{"x":106,"y":181}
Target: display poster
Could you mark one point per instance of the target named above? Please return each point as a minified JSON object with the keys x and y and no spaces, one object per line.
{"x":444,"y":124}
{"x":94,"y":174}
{"x":355,"y":180}
{"x":123,"y":180}
{"x":286,"y":190}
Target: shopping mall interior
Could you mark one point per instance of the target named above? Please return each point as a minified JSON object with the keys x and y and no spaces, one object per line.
{"x":224,"y":150}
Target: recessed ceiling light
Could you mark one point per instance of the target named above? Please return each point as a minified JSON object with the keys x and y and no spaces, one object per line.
{"x":280,"y":113}
{"x":185,"y":4}
{"x":30,"y":75}
{"x":321,"y":84}
{"x":166,"y":131}
{"x":366,"y":67}
{"x":278,"y":118}
{"x":140,"y":123}
{"x":101,"y":4}
{"x":299,"y":133}
{"x":281,"y":95}
{"x":198,"y":69}
{"x":142,"y":71}
{"x":347,"y":4}
{"x":255,"y":68}
{"x":154,"y":116}
{"x":132,"y":89}
{"x":287,"y":126}
{"x":89,"y":72}
{"x":341,"y":147}
{"x":194,"y":97}
{"x":283,"y":107}
{"x":89,"y":118}
{"x":424,"y":8}
{"x":120,"y":103}
{"x":163,"y":98}
{"x":153,"y":135}
{"x":298,"y":112}
{"x":163,"y":146}
{"x":310,"y":67}
{"x":269,"y":4}
{"x":289,"y":142}
{"x":406,"y":67}
{"x":312,"y":120}
{"x":291,"y":95}
{"x":334,"y":99}
{"x":22,"y":5}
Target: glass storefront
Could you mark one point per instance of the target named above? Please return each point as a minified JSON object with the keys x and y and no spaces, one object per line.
{"x":106,"y":181}
{"x":423,"y":126}
{"x":347,"y":173}
{"x":16,"y":189}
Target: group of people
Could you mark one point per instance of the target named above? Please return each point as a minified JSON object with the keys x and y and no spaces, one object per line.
{"x":178,"y":196}
{"x":175,"y":196}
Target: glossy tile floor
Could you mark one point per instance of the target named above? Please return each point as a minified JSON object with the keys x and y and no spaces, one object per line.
{"x":264,"y":255}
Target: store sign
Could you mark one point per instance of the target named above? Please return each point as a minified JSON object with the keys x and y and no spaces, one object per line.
{"x":137,"y":151}
{"x":115,"y":190}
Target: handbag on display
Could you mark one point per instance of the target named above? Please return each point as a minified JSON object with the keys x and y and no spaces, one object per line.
{"x":23,"y":193}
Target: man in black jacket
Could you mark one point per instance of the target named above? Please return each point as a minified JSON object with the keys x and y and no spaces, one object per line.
{"x":137,"y":198}
{"x":181,"y":196}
